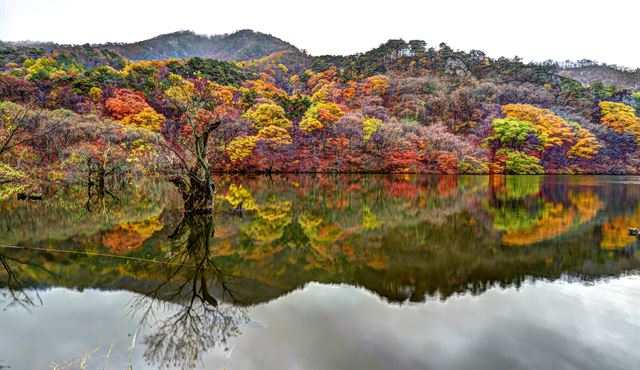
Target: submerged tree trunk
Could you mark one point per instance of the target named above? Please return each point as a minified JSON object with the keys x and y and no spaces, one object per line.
{"x":196,"y":187}
{"x":197,"y":192}
{"x":96,"y":174}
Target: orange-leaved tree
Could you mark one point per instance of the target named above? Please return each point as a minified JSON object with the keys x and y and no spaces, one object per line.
{"x":131,"y":109}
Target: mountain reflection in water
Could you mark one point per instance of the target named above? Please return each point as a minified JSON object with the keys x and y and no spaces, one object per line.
{"x":193,"y":283}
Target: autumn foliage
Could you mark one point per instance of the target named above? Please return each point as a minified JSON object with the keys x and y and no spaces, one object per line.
{"x":401,"y":107}
{"x":620,"y":117}
{"x":130,"y":108}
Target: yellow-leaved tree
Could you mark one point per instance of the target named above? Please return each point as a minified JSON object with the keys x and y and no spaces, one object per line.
{"x":319,"y":115}
{"x":620,"y":117}
{"x":271,"y":124}
{"x":554,"y":131}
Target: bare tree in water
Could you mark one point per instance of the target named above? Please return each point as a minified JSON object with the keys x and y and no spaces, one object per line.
{"x":209,"y":119}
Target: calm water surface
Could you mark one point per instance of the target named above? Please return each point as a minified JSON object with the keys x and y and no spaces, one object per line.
{"x":467,"y":272}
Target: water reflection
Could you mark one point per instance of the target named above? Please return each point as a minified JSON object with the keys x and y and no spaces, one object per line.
{"x":201,"y":321}
{"x":404,"y":238}
{"x":521,"y":210}
{"x":15,"y":291}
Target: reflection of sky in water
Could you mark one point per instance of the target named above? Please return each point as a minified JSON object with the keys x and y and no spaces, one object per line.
{"x":541,"y":325}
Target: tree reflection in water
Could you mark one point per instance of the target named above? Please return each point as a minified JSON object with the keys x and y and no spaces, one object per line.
{"x":197,"y":288}
{"x":16,"y":292}
{"x":404,"y":238}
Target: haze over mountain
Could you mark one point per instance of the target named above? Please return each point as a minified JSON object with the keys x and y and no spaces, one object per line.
{"x":238,"y":46}
{"x":608,"y":75}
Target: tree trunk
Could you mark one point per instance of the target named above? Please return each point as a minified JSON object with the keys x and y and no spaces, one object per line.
{"x":100,"y":187}
{"x":197,"y":193}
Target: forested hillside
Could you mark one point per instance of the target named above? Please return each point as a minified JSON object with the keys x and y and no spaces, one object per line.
{"x":604,"y":75}
{"x":240,"y":45}
{"x":258,"y":104}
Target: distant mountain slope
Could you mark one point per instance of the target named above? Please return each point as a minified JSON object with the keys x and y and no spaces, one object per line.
{"x":247,"y":45}
{"x":238,"y":46}
{"x":607,"y":74}
{"x":15,"y":54}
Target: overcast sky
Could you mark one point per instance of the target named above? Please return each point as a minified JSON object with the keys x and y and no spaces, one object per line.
{"x":606,"y":31}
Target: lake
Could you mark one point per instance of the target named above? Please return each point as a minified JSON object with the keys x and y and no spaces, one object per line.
{"x":326,"y":271}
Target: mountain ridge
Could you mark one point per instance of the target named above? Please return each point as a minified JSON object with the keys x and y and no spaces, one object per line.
{"x":604,"y":74}
{"x":241,"y":45}
{"x":127,"y":49}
